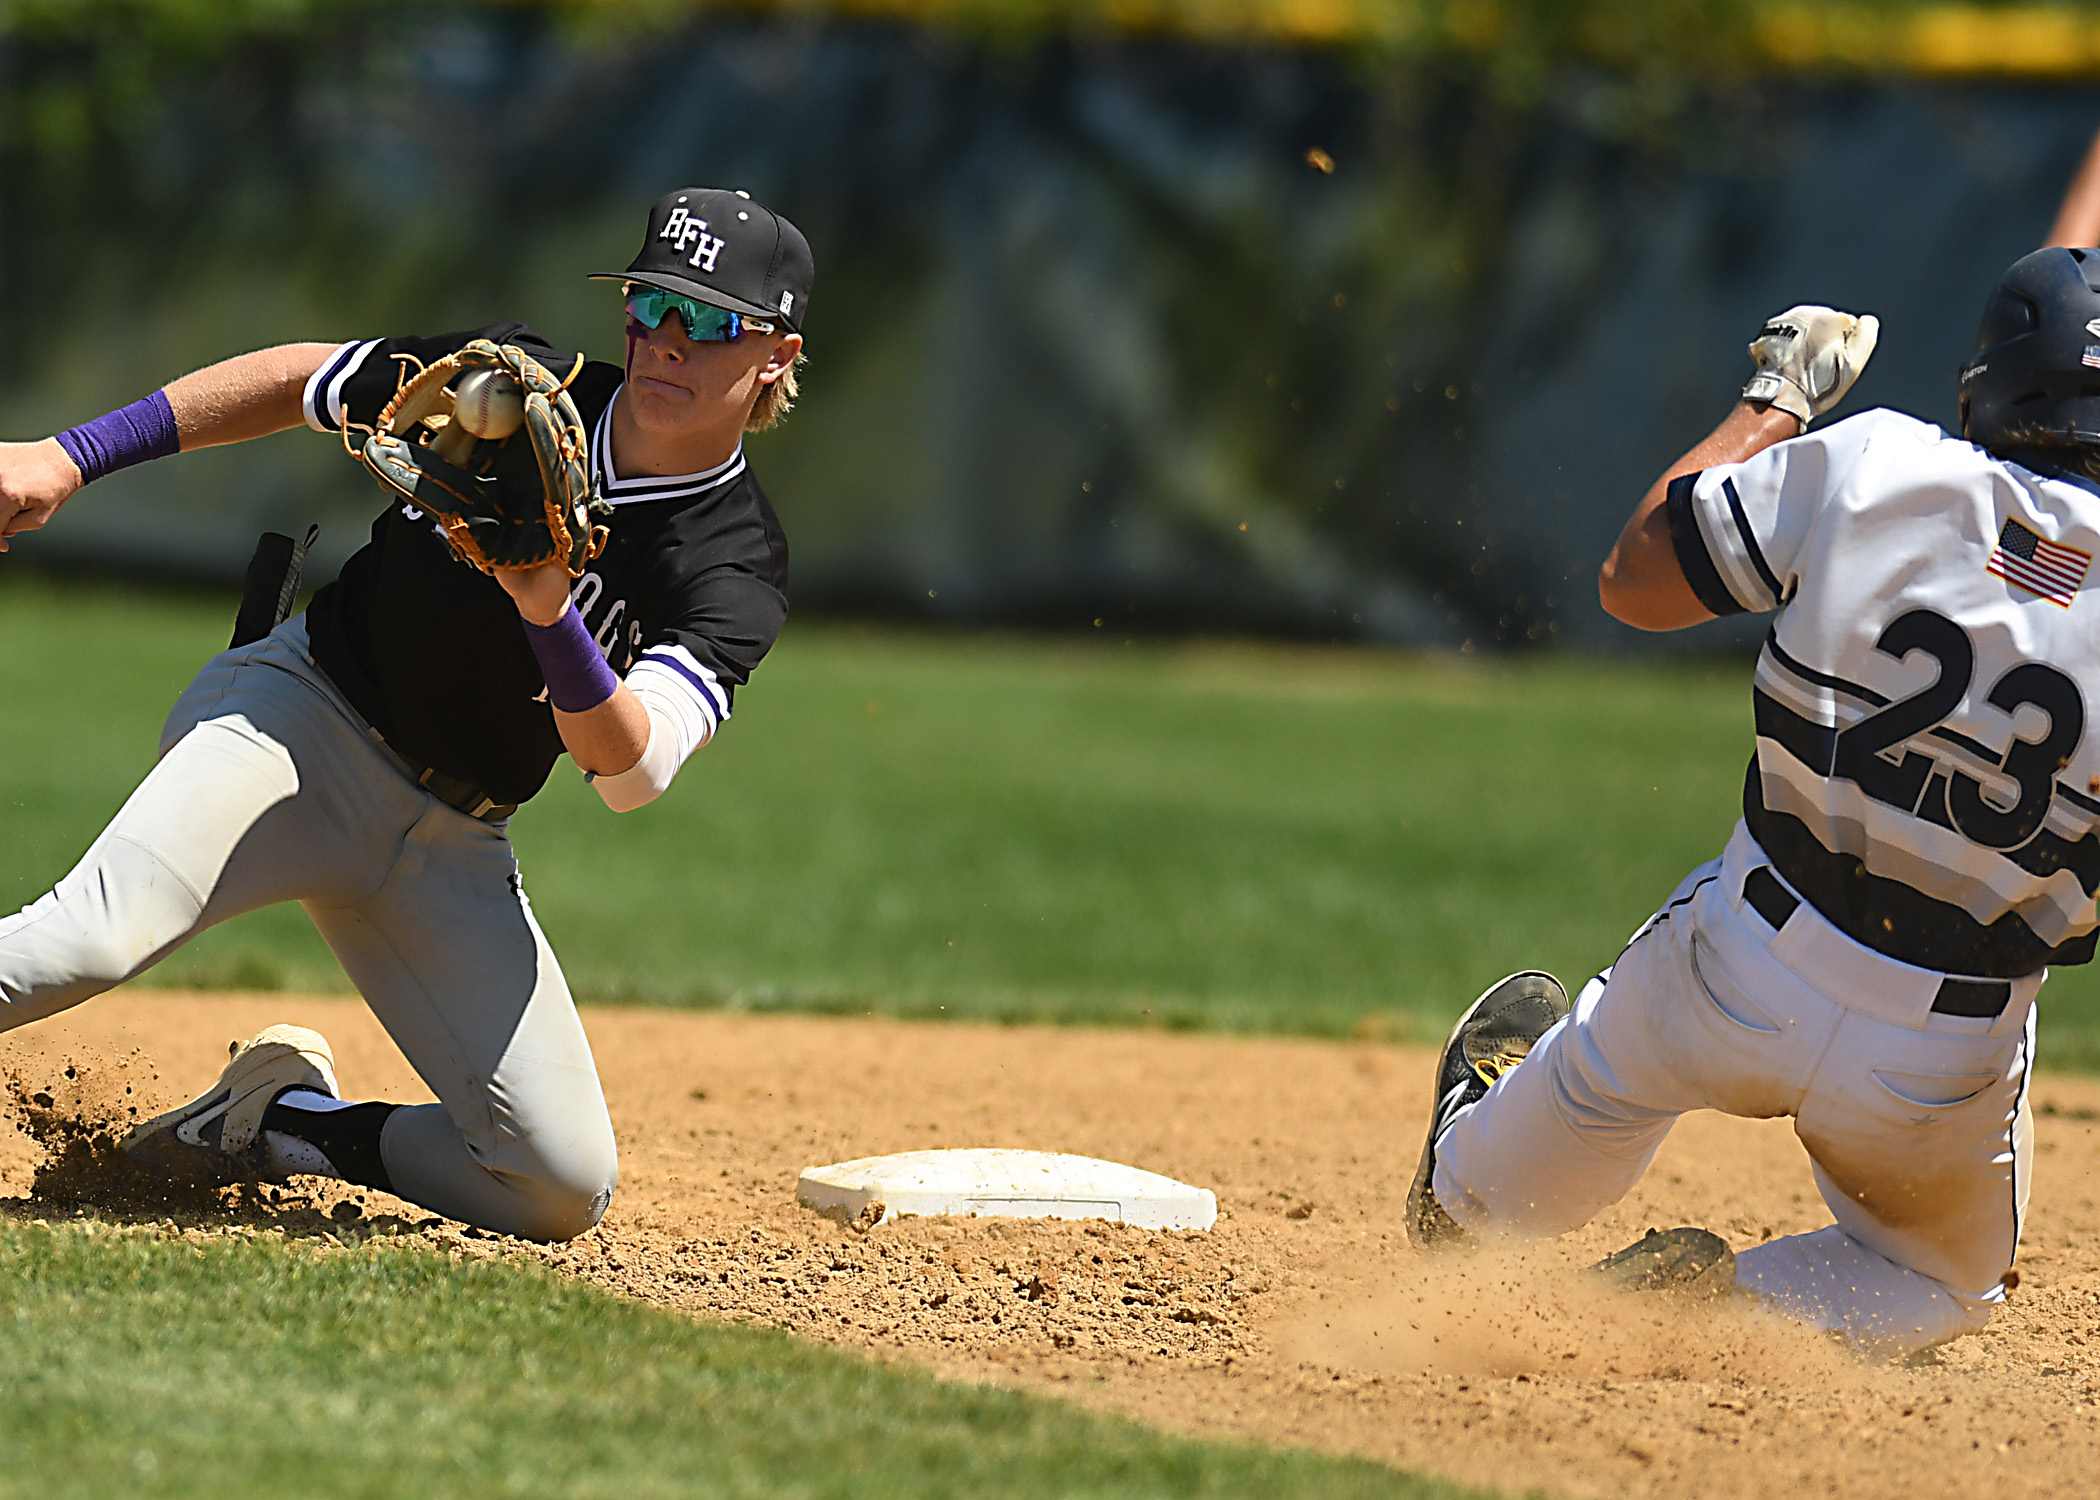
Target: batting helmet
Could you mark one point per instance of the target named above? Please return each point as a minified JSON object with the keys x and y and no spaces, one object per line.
{"x":2034,"y":380}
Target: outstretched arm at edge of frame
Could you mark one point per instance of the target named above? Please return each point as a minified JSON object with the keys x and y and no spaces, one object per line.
{"x":247,"y":396}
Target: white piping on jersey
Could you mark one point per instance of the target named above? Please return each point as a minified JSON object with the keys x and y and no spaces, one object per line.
{"x":648,"y":487}
{"x":1817,"y":696}
{"x":697,"y":679}
{"x":321,"y":403}
{"x":1822,"y":702}
{"x":1776,"y":665}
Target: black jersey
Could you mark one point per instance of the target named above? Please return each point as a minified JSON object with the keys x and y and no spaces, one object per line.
{"x":692,"y":585}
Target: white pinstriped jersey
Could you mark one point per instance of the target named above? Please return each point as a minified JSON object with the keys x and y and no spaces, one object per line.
{"x":1927,"y":773}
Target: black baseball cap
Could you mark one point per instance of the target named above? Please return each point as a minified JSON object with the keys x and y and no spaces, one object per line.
{"x":721,"y":248}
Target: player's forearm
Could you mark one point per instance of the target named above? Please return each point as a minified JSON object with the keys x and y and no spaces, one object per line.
{"x":609,"y":736}
{"x":248,"y":396}
{"x":608,"y":739}
{"x":1641,"y":583}
{"x":603,"y":725}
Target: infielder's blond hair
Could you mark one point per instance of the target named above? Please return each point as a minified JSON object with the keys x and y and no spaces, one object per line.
{"x":775,"y":400}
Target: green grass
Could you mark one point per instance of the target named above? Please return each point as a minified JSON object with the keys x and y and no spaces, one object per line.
{"x":1227,"y":836}
{"x":1218,"y":836}
{"x":138,"y":1365}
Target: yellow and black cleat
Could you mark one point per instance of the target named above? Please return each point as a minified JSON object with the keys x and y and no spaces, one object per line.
{"x":1496,"y":1033}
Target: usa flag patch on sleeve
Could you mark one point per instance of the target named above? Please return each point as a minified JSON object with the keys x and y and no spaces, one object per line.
{"x":2027,"y":560}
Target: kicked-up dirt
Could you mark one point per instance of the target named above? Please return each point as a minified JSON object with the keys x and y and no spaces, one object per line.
{"x":1302,"y":1318}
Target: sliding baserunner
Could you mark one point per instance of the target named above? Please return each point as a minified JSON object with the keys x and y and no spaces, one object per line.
{"x":1920,"y":837}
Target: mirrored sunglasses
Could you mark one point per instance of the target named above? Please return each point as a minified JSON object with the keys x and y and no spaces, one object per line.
{"x":704,"y":322}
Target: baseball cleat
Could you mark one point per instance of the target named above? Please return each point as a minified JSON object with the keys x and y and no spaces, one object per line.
{"x":1495,"y":1034}
{"x":1687,"y":1262}
{"x":226,"y":1118}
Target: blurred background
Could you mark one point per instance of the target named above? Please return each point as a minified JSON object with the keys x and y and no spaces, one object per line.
{"x":1354,"y":319}
{"x":1217,"y":411}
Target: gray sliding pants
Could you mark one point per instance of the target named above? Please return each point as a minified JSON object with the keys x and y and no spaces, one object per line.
{"x":271,"y":788}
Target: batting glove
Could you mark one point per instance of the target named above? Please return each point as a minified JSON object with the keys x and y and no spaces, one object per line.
{"x":1807,"y":358}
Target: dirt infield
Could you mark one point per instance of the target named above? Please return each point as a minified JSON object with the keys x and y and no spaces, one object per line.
{"x":1302,"y":1318}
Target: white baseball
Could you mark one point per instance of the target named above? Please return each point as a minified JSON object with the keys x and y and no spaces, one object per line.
{"x":488,"y":403}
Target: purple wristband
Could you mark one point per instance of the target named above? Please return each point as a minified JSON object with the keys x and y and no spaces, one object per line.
{"x":578,"y":678}
{"x":117,"y":440}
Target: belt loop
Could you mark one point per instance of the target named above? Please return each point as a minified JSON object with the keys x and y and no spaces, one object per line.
{"x":1768,"y":898}
{"x":1979,"y":999}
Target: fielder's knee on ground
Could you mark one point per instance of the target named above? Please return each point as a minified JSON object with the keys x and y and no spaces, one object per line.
{"x":553,"y":1185}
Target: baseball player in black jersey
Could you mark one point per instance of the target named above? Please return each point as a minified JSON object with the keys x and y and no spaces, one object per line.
{"x":364,"y":758}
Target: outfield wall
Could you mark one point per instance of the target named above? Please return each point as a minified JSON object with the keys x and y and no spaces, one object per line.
{"x":1095,"y":335}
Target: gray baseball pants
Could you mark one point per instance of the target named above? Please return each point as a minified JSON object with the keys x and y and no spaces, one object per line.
{"x":271,"y":788}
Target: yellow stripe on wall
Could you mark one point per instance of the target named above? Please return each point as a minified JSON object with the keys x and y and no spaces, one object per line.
{"x":2030,"y":41}
{"x":1949,"y":40}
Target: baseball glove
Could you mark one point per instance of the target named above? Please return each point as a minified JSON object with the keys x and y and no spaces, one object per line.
{"x":502,"y":503}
